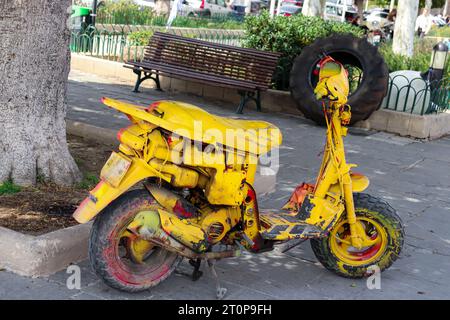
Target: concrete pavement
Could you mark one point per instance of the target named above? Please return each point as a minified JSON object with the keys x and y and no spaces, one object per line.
{"x":412,"y":175}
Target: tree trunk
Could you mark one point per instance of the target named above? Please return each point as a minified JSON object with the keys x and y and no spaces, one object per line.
{"x":313,"y":8}
{"x":162,"y":7}
{"x":34,"y":66}
{"x":404,"y":27}
{"x":360,"y":5}
{"x":446,"y":11}
{"x":248,"y":6}
{"x":272,"y":8}
{"x":392,"y":5}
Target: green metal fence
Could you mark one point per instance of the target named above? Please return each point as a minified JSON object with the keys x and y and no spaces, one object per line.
{"x":417,"y":96}
{"x":113,"y":42}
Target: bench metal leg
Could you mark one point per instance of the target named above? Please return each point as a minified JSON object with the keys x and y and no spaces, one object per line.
{"x":138,"y":81}
{"x":258,"y":100}
{"x":147,"y":75}
{"x":247,"y":96}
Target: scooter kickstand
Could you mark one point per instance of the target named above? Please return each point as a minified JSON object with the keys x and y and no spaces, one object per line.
{"x":196,"y":274}
{"x":220,"y":291}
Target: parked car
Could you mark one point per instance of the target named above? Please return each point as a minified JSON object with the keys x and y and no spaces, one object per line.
{"x":298,"y":3}
{"x":333,"y":10}
{"x":206,"y":8}
{"x":289,"y":10}
{"x":378,"y":15}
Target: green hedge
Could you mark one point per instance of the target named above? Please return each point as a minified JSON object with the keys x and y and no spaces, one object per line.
{"x":128,"y":13}
{"x":289,"y":35}
{"x":443,"y":32}
{"x":139,"y":38}
{"x":420,"y":61}
{"x":124,"y":12}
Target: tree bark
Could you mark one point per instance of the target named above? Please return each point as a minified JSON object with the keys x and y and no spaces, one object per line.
{"x":446,"y":11}
{"x":162,"y":7}
{"x":404,"y":27}
{"x":248,"y":6}
{"x":391,"y":5}
{"x":34,"y":67}
{"x":313,"y":8}
{"x":360,"y":5}
{"x":272,"y":8}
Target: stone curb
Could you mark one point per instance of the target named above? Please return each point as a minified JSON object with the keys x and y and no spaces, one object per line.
{"x":43,"y":255}
{"x":97,"y":134}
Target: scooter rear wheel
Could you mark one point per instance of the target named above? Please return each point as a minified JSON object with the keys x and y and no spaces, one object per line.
{"x":122,"y":261}
{"x":381,"y":224}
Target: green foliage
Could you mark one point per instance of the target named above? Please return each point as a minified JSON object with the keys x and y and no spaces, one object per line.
{"x":89,"y":181}
{"x":127,"y":12}
{"x":289,"y":35}
{"x":420,"y":61}
{"x":386,"y":3}
{"x":443,"y":32}
{"x":139,"y":38}
{"x":215,"y":22}
{"x":435,"y":3}
{"x":8,"y":188}
{"x":124,"y":12}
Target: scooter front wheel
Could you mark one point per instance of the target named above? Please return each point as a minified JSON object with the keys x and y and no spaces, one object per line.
{"x":122,"y":260}
{"x":381,"y":224}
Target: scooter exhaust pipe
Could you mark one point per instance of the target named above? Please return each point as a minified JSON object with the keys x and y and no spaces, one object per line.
{"x":164,"y":240}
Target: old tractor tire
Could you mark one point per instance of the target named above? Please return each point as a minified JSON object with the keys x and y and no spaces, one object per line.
{"x":352,"y":52}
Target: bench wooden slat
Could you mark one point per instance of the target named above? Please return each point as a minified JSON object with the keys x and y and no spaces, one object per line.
{"x":252,"y":71}
{"x":253,"y":52}
{"x":247,"y":70}
{"x":198,"y":76}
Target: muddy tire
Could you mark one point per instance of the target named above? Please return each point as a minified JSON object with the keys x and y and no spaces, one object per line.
{"x":354,"y":53}
{"x":356,"y":264}
{"x":105,"y":247}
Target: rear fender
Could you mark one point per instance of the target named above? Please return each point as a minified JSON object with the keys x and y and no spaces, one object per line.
{"x":103,"y":194}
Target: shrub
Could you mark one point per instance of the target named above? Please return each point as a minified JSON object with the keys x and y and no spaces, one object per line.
{"x":199,"y":22}
{"x":420,"y":61}
{"x":443,"y":32}
{"x":124,"y":12}
{"x":289,"y":35}
{"x":127,"y":12}
{"x":8,"y":187}
{"x":139,"y":38}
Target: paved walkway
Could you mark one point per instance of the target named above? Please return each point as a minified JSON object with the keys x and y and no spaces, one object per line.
{"x":412,"y":175}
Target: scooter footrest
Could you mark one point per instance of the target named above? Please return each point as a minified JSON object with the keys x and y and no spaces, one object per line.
{"x":282,"y":227}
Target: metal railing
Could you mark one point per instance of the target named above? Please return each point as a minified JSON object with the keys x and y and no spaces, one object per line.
{"x":112,"y":42}
{"x":417,"y":96}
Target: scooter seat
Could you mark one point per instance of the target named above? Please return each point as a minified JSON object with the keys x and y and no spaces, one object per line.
{"x":187,"y":120}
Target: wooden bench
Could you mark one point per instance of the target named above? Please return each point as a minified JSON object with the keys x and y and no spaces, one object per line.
{"x":247,"y":70}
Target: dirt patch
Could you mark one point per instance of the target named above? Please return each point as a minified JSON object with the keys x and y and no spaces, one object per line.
{"x":47,"y":207}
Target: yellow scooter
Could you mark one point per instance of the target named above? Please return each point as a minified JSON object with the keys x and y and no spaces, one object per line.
{"x":198,"y":199}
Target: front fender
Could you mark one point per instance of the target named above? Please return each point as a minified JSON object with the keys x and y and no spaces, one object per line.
{"x":103,"y":194}
{"x":359,"y":183}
